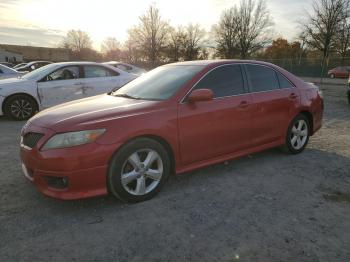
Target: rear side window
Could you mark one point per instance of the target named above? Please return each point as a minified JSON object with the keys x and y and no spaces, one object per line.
{"x":223,"y":81}
{"x":124,"y":67}
{"x":284,"y":83}
{"x":98,"y":71}
{"x":262,"y":78}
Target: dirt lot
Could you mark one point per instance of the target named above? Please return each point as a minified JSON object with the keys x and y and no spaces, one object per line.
{"x":266,"y":207}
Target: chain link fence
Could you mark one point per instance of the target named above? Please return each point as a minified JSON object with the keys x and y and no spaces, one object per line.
{"x":308,"y":67}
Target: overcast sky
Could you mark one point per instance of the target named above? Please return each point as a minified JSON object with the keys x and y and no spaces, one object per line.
{"x":44,"y":22}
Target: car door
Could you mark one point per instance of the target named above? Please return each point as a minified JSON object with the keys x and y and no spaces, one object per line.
{"x":223,"y":125}
{"x":62,"y":85}
{"x":274,"y":104}
{"x":99,"y":79}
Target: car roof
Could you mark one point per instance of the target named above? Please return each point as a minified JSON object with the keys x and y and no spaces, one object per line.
{"x":216,"y":62}
{"x":79,"y":63}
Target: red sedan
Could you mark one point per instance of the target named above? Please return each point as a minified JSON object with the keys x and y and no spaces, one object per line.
{"x":173,"y":119}
{"x":339,"y":72}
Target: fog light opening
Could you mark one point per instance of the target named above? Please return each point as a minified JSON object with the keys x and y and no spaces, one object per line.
{"x":57,"y":182}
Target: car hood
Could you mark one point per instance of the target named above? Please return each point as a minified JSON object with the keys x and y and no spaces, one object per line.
{"x":89,"y":111}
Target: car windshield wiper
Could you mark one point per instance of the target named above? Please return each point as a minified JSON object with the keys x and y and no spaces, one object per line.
{"x":127,"y":96}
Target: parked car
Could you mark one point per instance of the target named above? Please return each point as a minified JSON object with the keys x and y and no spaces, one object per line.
{"x":127,"y":67}
{"x":339,"y":72}
{"x":32,"y":66}
{"x":175,"y":118}
{"x":19,"y":65}
{"x":57,"y":83}
{"x":7,"y":64}
{"x":6,"y":72}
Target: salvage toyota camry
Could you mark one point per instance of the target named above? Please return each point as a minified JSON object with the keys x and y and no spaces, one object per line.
{"x":173,"y":119}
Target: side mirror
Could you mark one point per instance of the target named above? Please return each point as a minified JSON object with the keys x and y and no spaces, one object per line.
{"x":200,"y":95}
{"x":32,"y":67}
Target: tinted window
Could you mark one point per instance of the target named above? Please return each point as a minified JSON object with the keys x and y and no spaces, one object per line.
{"x":262,"y":78}
{"x":160,"y":83}
{"x":284,"y":83}
{"x":65,"y":73}
{"x":224,"y":81}
{"x":98,"y":71}
{"x":1,"y":71}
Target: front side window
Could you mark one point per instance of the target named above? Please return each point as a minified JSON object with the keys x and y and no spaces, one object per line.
{"x":98,"y":71}
{"x":223,"y":81}
{"x":262,"y":78}
{"x":65,"y":73}
{"x":1,"y":72}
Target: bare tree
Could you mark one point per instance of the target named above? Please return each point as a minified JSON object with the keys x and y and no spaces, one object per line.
{"x":194,"y":36}
{"x":342,"y":39}
{"x":321,"y":26}
{"x":111,"y":48}
{"x":226,"y":34}
{"x":150,"y":35}
{"x":77,"y":40}
{"x":243,"y":29}
{"x":177,"y":38}
{"x":131,"y":53}
{"x":253,"y":24}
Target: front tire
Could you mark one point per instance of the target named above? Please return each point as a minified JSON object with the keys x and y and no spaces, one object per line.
{"x":20,"y":107}
{"x":138,"y":170}
{"x":298,"y":135}
{"x":332,"y":75}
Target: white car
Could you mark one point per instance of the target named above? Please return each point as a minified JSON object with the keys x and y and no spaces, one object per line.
{"x":127,"y":67}
{"x":7,"y":72}
{"x":57,"y":83}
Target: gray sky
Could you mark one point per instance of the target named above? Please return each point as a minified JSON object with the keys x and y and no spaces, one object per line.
{"x":44,"y":22}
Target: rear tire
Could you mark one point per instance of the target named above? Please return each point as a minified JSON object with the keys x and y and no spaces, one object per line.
{"x":138,"y":171}
{"x":20,"y":107}
{"x":298,"y":135}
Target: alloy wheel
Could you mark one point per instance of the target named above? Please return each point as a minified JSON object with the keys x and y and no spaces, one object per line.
{"x":21,"y":108}
{"x":142,"y":172}
{"x":299,"y":134}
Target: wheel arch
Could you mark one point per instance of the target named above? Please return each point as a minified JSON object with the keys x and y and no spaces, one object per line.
{"x":157,"y":138}
{"x":19,"y":94}
{"x":310,"y":117}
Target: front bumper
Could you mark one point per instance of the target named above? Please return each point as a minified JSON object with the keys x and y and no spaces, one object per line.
{"x":84,"y":167}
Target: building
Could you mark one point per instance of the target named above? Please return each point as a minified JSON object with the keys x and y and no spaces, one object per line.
{"x":11,"y":57}
{"x":34,"y":53}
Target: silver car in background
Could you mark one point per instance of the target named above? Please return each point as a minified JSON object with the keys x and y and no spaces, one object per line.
{"x":55,"y":84}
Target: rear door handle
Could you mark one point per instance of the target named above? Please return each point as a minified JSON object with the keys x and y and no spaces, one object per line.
{"x":243,"y":104}
{"x":293,"y":96}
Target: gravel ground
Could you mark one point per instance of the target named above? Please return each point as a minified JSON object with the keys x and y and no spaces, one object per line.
{"x":266,"y":207}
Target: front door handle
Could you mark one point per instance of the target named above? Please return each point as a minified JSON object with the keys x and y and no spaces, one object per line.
{"x":243,"y":104}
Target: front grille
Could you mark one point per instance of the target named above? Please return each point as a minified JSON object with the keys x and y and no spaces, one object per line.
{"x":31,"y":139}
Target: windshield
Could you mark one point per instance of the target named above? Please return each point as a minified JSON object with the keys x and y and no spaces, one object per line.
{"x":40,"y":72}
{"x":160,"y":83}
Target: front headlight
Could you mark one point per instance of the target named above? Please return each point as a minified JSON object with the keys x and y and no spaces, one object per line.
{"x":73,"y":139}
